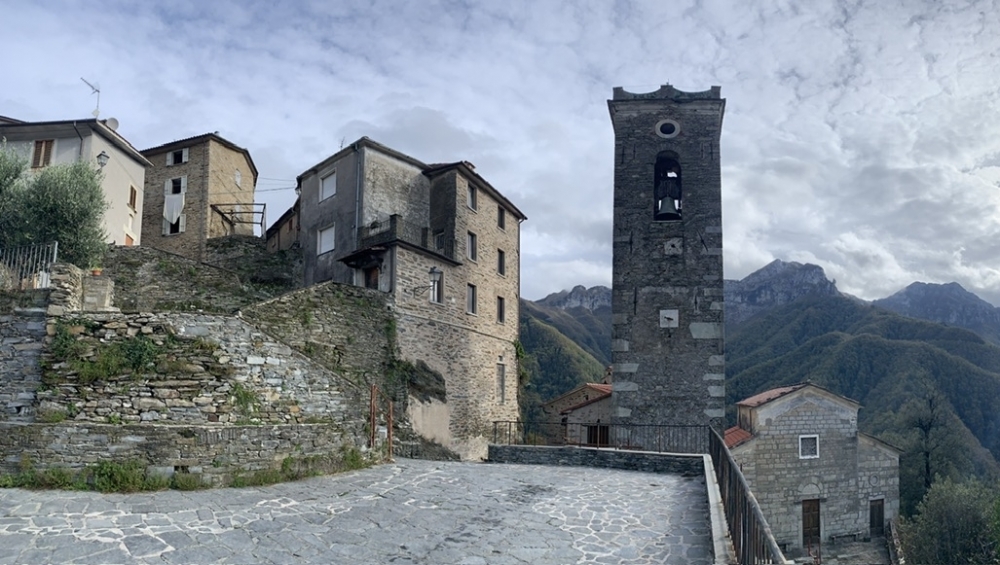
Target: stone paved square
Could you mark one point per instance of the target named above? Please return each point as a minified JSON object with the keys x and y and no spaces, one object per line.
{"x":407,"y":512}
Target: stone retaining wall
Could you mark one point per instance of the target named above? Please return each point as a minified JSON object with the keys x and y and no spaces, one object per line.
{"x":215,"y":452}
{"x":648,"y":462}
{"x":203,"y":368}
{"x":22,"y":335}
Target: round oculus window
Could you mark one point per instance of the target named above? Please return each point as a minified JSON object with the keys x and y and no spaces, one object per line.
{"x":667,"y":129}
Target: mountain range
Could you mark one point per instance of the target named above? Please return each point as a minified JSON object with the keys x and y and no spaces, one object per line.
{"x":927,"y":347}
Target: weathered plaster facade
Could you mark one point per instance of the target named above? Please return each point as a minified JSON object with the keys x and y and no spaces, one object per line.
{"x":84,"y":140}
{"x":210,"y":171}
{"x":667,"y":270}
{"x":393,"y":220}
{"x":849,"y":474}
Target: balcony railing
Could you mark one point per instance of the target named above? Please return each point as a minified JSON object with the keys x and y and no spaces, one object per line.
{"x":28,"y":267}
{"x":394,"y":229}
{"x":748,"y":530}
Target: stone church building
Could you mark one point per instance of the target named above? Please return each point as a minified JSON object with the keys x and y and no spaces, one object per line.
{"x":816,"y":477}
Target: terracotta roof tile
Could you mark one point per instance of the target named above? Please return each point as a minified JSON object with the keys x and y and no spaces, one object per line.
{"x":735,"y":436}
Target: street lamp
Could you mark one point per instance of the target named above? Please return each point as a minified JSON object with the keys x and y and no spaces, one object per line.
{"x":102,"y":158}
{"x":435,"y":275}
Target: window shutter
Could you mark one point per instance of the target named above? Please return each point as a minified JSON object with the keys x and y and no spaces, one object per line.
{"x":184,"y":159}
{"x":184,"y":183}
{"x":182,"y":223}
{"x":167,"y":187}
{"x":170,"y":158}
{"x":166,"y":227}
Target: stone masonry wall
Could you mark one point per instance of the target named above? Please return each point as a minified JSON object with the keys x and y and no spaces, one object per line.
{"x":223,"y":190}
{"x":22,"y":336}
{"x":189,"y":243}
{"x":667,"y":463}
{"x":667,"y":297}
{"x":207,"y":368}
{"x":215,"y":453}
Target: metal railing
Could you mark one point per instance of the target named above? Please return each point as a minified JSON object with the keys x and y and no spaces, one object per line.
{"x":640,"y":437}
{"x":751,"y":536}
{"x":28,"y":267}
{"x":395,"y":228}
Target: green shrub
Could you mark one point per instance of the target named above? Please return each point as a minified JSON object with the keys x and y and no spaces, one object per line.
{"x":111,"y":476}
{"x":188,"y":481}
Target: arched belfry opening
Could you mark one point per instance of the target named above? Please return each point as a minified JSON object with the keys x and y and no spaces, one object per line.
{"x":667,"y":191}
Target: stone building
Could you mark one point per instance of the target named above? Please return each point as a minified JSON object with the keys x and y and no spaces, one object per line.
{"x":196,"y":189}
{"x":284,"y":233}
{"x":94,"y":141}
{"x":446,"y":245}
{"x":667,"y":297}
{"x":816,"y":477}
{"x":574,"y":417}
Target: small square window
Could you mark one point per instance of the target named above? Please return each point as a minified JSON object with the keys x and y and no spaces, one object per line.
{"x":471,"y":251}
{"x":177,"y":157}
{"x":501,"y":262}
{"x":176,"y":186}
{"x":809,"y":447}
{"x":470,"y":299}
{"x":501,"y":218}
{"x":472,"y":198}
{"x":325,"y":240}
{"x":501,"y":314}
{"x":328,"y":186}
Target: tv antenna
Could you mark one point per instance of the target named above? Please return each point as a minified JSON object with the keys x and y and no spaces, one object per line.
{"x":96,"y":89}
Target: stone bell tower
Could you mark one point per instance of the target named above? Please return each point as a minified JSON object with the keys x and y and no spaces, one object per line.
{"x":667,"y":284}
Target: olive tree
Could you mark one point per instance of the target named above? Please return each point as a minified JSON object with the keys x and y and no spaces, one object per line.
{"x":63,"y":203}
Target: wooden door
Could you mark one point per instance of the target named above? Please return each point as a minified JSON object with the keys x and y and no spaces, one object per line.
{"x":810,"y":523}
{"x":876,"y":517}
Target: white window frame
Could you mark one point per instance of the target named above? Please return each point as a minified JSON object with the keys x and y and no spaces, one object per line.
{"x":472,"y":198}
{"x":331,"y":229}
{"x":470,"y":299}
{"x":807,"y":437}
{"x":471,"y":247}
{"x":325,"y":191}
{"x":170,"y":157}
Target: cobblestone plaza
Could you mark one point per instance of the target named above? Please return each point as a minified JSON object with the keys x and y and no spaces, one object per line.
{"x":407,"y":512}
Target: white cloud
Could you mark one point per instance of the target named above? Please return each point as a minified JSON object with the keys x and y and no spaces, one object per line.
{"x":864,"y":137}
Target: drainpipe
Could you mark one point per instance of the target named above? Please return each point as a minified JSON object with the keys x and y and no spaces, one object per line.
{"x":79,"y":156}
{"x":357,"y":193}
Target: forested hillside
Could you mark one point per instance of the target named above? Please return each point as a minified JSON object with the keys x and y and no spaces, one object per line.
{"x":930,"y":389}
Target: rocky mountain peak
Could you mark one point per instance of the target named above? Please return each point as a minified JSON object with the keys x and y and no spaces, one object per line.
{"x":580,"y":296}
{"x":947,"y":303}
{"x":777,"y":283}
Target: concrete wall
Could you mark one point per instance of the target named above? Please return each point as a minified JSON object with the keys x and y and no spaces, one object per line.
{"x":339,"y":211}
{"x":667,"y":463}
{"x":667,"y":275}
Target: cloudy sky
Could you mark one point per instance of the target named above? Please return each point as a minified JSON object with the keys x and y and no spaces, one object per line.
{"x":860,"y":135}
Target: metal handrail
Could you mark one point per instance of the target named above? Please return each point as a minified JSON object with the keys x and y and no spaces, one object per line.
{"x":641,"y":437}
{"x":748,"y":529}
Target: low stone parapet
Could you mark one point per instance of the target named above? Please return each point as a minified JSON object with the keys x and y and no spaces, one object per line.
{"x":646,"y":461}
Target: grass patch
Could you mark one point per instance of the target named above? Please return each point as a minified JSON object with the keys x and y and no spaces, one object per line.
{"x":244,"y":399}
{"x":52,"y":416}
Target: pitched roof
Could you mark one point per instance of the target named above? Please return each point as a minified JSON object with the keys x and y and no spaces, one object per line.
{"x":99,"y":127}
{"x":769,"y":395}
{"x":735,"y":436}
{"x":200,"y":138}
{"x":469,"y":170}
{"x":603,"y":391}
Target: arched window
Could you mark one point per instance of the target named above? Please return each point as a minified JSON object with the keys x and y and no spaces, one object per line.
{"x":667,"y":193}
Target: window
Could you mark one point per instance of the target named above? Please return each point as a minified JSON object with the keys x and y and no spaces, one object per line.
{"x":42,"y":156}
{"x":501,"y":218}
{"x":178,"y":185}
{"x":500,"y":310}
{"x":325,"y":240}
{"x":175,"y":227}
{"x":809,"y":447}
{"x":133,"y":196}
{"x":667,"y":193}
{"x":437,"y":289}
{"x":328,"y":186}
{"x":371,"y":277}
{"x":472,"y":198}
{"x":177,"y":157}
{"x":470,"y":299}
{"x":470,"y":244}
{"x":501,"y":262}
{"x":501,"y":382}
